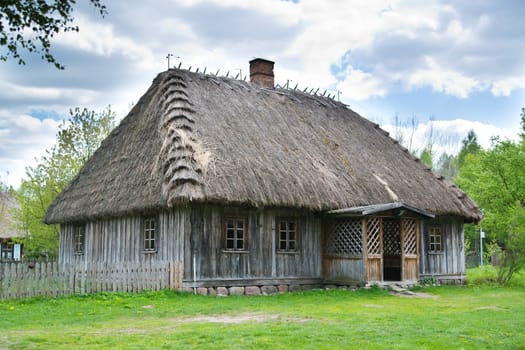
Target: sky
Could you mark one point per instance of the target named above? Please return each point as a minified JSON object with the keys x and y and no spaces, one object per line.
{"x":432,"y":69}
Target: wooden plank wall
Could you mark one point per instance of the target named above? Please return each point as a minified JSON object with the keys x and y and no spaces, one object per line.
{"x":121,"y":240}
{"x":260,"y":260}
{"x":451,"y":261}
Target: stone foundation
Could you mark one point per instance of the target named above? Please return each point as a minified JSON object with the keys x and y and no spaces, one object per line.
{"x":261,"y":290}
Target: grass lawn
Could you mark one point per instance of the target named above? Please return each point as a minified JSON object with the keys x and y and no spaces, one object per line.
{"x":470,"y":317}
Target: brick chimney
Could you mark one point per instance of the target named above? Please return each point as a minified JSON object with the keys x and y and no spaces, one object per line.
{"x":261,"y":72}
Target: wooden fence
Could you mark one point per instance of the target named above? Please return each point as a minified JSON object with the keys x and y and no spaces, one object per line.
{"x":23,"y":280}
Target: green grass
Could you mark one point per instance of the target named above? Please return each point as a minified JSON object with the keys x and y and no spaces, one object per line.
{"x":471,"y":317}
{"x":488,"y":275}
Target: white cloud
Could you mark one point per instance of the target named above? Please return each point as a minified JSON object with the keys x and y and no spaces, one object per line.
{"x":504,"y":87}
{"x":359,"y":85}
{"x":443,"y":80}
{"x":23,"y":138}
{"x":446,"y":135}
{"x":102,"y":40}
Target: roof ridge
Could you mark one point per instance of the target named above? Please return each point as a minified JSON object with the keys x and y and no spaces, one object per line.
{"x":313,"y":92}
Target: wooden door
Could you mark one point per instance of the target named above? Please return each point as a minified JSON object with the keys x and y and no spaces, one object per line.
{"x":409,"y":241}
{"x":374,"y":250}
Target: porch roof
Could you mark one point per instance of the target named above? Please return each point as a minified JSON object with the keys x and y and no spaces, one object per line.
{"x":378,"y":208}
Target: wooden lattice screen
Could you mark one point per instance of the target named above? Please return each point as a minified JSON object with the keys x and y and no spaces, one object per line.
{"x":345,"y":238}
{"x":373,"y":239}
{"x":410,"y":236}
{"x":392,"y":238}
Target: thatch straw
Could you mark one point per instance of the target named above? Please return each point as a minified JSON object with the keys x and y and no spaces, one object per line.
{"x":266,"y":148}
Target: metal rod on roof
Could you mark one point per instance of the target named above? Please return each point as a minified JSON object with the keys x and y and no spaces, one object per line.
{"x":236,"y":76}
{"x":204,"y":72}
{"x":180,"y":64}
{"x":296,"y":85}
{"x":315,"y":93}
{"x":227,"y":73}
{"x":306,"y":88}
{"x":216,"y":74}
{"x":323,"y":93}
{"x":189,"y":69}
{"x":168,"y":57}
{"x":197,"y":71}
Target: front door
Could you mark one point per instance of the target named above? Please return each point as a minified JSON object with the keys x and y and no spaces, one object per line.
{"x":391,"y":249}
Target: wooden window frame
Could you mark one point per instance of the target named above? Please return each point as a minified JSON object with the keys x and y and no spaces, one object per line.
{"x":435,"y":239}
{"x":233,"y":236}
{"x":79,"y":239}
{"x":290,"y":245}
{"x":7,"y":251}
{"x":150,"y":235}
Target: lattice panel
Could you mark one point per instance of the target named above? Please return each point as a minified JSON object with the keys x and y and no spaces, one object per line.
{"x":392,"y":238}
{"x":373,"y":238}
{"x":345,"y":238}
{"x":410,"y":241}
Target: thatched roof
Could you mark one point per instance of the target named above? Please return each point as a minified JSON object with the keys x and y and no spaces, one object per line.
{"x":8,"y":223}
{"x":201,"y":138}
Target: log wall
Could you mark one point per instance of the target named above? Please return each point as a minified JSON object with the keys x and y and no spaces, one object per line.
{"x":260,"y":260}
{"x":449,"y":264}
{"x":121,"y":240}
{"x":194,"y":236}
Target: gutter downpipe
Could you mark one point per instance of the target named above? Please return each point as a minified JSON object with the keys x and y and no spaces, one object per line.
{"x":194,"y":274}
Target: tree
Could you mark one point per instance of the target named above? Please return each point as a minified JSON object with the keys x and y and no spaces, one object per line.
{"x":496,"y":180}
{"x":513,"y":250}
{"x":427,"y":156}
{"x":30,"y":24}
{"x":447,"y":166}
{"x":470,"y":146}
{"x":77,"y":139}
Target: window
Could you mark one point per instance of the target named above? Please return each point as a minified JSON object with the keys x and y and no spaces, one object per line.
{"x":79,"y":236}
{"x":286,"y":235}
{"x":235,"y":234}
{"x":150,"y":235}
{"x":434,"y":239}
{"x":6,"y":251}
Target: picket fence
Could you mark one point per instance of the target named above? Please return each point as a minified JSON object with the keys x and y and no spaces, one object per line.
{"x":27,"y":280}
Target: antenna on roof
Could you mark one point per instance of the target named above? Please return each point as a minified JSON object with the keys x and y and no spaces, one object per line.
{"x":168,"y":57}
{"x":204,"y":72}
{"x":189,"y":69}
{"x":216,"y":74}
{"x":296,"y":85}
{"x":306,"y":88}
{"x":180,"y":64}
{"x":197,"y":71}
{"x":315,"y":93}
{"x":237,"y":76}
{"x":227,"y":73}
{"x":323,"y":93}
{"x":288,"y":83}
{"x":338,"y":96}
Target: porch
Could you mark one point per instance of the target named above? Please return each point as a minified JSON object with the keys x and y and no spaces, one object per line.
{"x":372,"y":244}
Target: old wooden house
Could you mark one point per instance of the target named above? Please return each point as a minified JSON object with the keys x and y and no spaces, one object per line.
{"x":11,"y":248}
{"x":248,"y":184}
